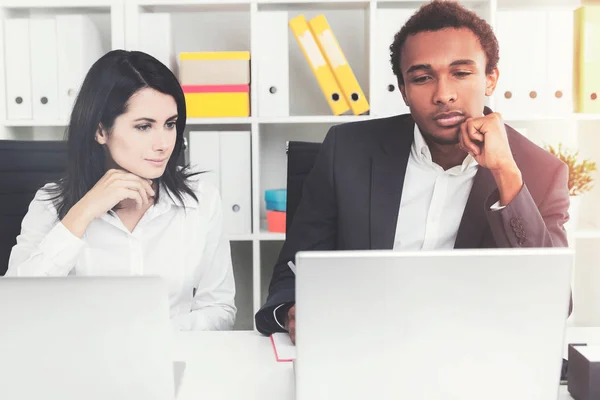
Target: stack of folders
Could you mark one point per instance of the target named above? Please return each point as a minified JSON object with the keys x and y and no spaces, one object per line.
{"x":587,"y":59}
{"x":216,"y":84}
{"x":329,"y":65}
{"x":276,"y":209}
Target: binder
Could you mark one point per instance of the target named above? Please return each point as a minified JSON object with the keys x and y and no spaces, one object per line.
{"x":44,"y":68}
{"x":18,"y":71}
{"x":587,"y":59}
{"x":273,"y":64}
{"x":522,"y":92}
{"x":338,"y":63}
{"x":559,"y":99}
{"x":80,"y":46}
{"x":386,"y":99}
{"x":225,"y":158}
{"x":325,"y":78}
{"x":236,"y":184}
{"x":155,"y":38}
{"x":204,"y":155}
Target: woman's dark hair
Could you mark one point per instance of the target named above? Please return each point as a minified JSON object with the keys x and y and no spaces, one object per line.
{"x":104,"y":95}
{"x":442,"y":14}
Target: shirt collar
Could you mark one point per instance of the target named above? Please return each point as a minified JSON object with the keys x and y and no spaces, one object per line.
{"x":421,"y":153}
{"x":167,"y":198}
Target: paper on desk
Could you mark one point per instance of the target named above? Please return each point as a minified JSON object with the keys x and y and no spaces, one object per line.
{"x":284,"y":349}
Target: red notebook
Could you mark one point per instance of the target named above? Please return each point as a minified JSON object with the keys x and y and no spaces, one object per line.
{"x":284,"y":349}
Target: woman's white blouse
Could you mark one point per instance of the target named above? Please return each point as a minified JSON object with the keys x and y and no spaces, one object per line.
{"x":184,"y":246}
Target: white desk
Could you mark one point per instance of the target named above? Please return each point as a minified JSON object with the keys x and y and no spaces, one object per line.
{"x":241,"y":366}
{"x":231,"y":366}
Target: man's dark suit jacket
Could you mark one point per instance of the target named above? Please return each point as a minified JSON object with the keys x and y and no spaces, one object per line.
{"x":351,"y":201}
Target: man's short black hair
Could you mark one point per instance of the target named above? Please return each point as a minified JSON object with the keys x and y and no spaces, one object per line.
{"x":441,"y":14}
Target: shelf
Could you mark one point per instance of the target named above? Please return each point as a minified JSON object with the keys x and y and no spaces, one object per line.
{"x":533,"y":4}
{"x":272,"y":236}
{"x":569,"y":117}
{"x":78,"y":4}
{"x":589,"y":233}
{"x":292,"y":5}
{"x":239,"y":237}
{"x":219,"y":121}
{"x":307,"y":119}
{"x":416,"y":3}
{"x":192,"y":5}
{"x":587,"y":117}
{"x":314,"y":119}
{"x":30,"y":123}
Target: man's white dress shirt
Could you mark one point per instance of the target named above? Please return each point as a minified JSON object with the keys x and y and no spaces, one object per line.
{"x":433,"y":200}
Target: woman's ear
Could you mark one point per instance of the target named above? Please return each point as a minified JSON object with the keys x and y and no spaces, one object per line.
{"x":101,"y":135}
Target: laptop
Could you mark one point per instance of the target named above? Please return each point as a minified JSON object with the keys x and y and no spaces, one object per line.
{"x":92,"y":338}
{"x":439,"y":325}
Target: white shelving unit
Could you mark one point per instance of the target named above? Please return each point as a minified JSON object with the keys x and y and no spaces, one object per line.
{"x":204,"y":25}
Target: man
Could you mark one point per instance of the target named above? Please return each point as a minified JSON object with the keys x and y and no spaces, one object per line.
{"x":448,"y":175}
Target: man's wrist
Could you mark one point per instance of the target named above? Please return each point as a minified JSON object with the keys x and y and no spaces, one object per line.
{"x":509,"y":181}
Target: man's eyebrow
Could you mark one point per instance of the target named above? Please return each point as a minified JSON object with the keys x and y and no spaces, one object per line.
{"x":462,"y":62}
{"x":419,"y":67}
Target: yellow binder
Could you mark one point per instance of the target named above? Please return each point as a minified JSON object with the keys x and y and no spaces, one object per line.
{"x":587,"y":60}
{"x":318,"y":65}
{"x":339,"y":65}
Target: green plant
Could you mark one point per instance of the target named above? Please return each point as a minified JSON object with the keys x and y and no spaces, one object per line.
{"x":580,"y":178}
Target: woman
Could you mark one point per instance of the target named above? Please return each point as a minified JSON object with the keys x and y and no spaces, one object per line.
{"x":124,"y":207}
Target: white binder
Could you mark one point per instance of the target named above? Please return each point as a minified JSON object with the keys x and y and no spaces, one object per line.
{"x":386,"y":99}
{"x":18,"y":71}
{"x":560,"y":51}
{"x":505,"y":89}
{"x":79,"y":47}
{"x":273,"y":63}
{"x":522,"y":92}
{"x":204,"y":155}
{"x":155,"y":38}
{"x":44,"y":68}
{"x":236,"y":183}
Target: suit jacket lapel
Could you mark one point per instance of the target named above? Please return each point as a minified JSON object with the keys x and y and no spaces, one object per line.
{"x":387,"y":179}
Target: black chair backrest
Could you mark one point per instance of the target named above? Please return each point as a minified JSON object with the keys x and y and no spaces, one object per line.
{"x":300,"y":160}
{"x":25,"y":166}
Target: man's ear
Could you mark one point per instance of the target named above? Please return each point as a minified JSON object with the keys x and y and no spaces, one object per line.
{"x":101,"y":135}
{"x":491,"y":81}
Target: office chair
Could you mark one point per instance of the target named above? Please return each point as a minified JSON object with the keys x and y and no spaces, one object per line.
{"x":26,"y":166}
{"x":300,"y":160}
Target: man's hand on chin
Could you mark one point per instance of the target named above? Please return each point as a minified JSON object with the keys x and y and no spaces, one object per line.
{"x":486,"y":140}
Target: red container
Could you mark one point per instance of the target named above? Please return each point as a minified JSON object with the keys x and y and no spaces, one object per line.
{"x":276,"y":221}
